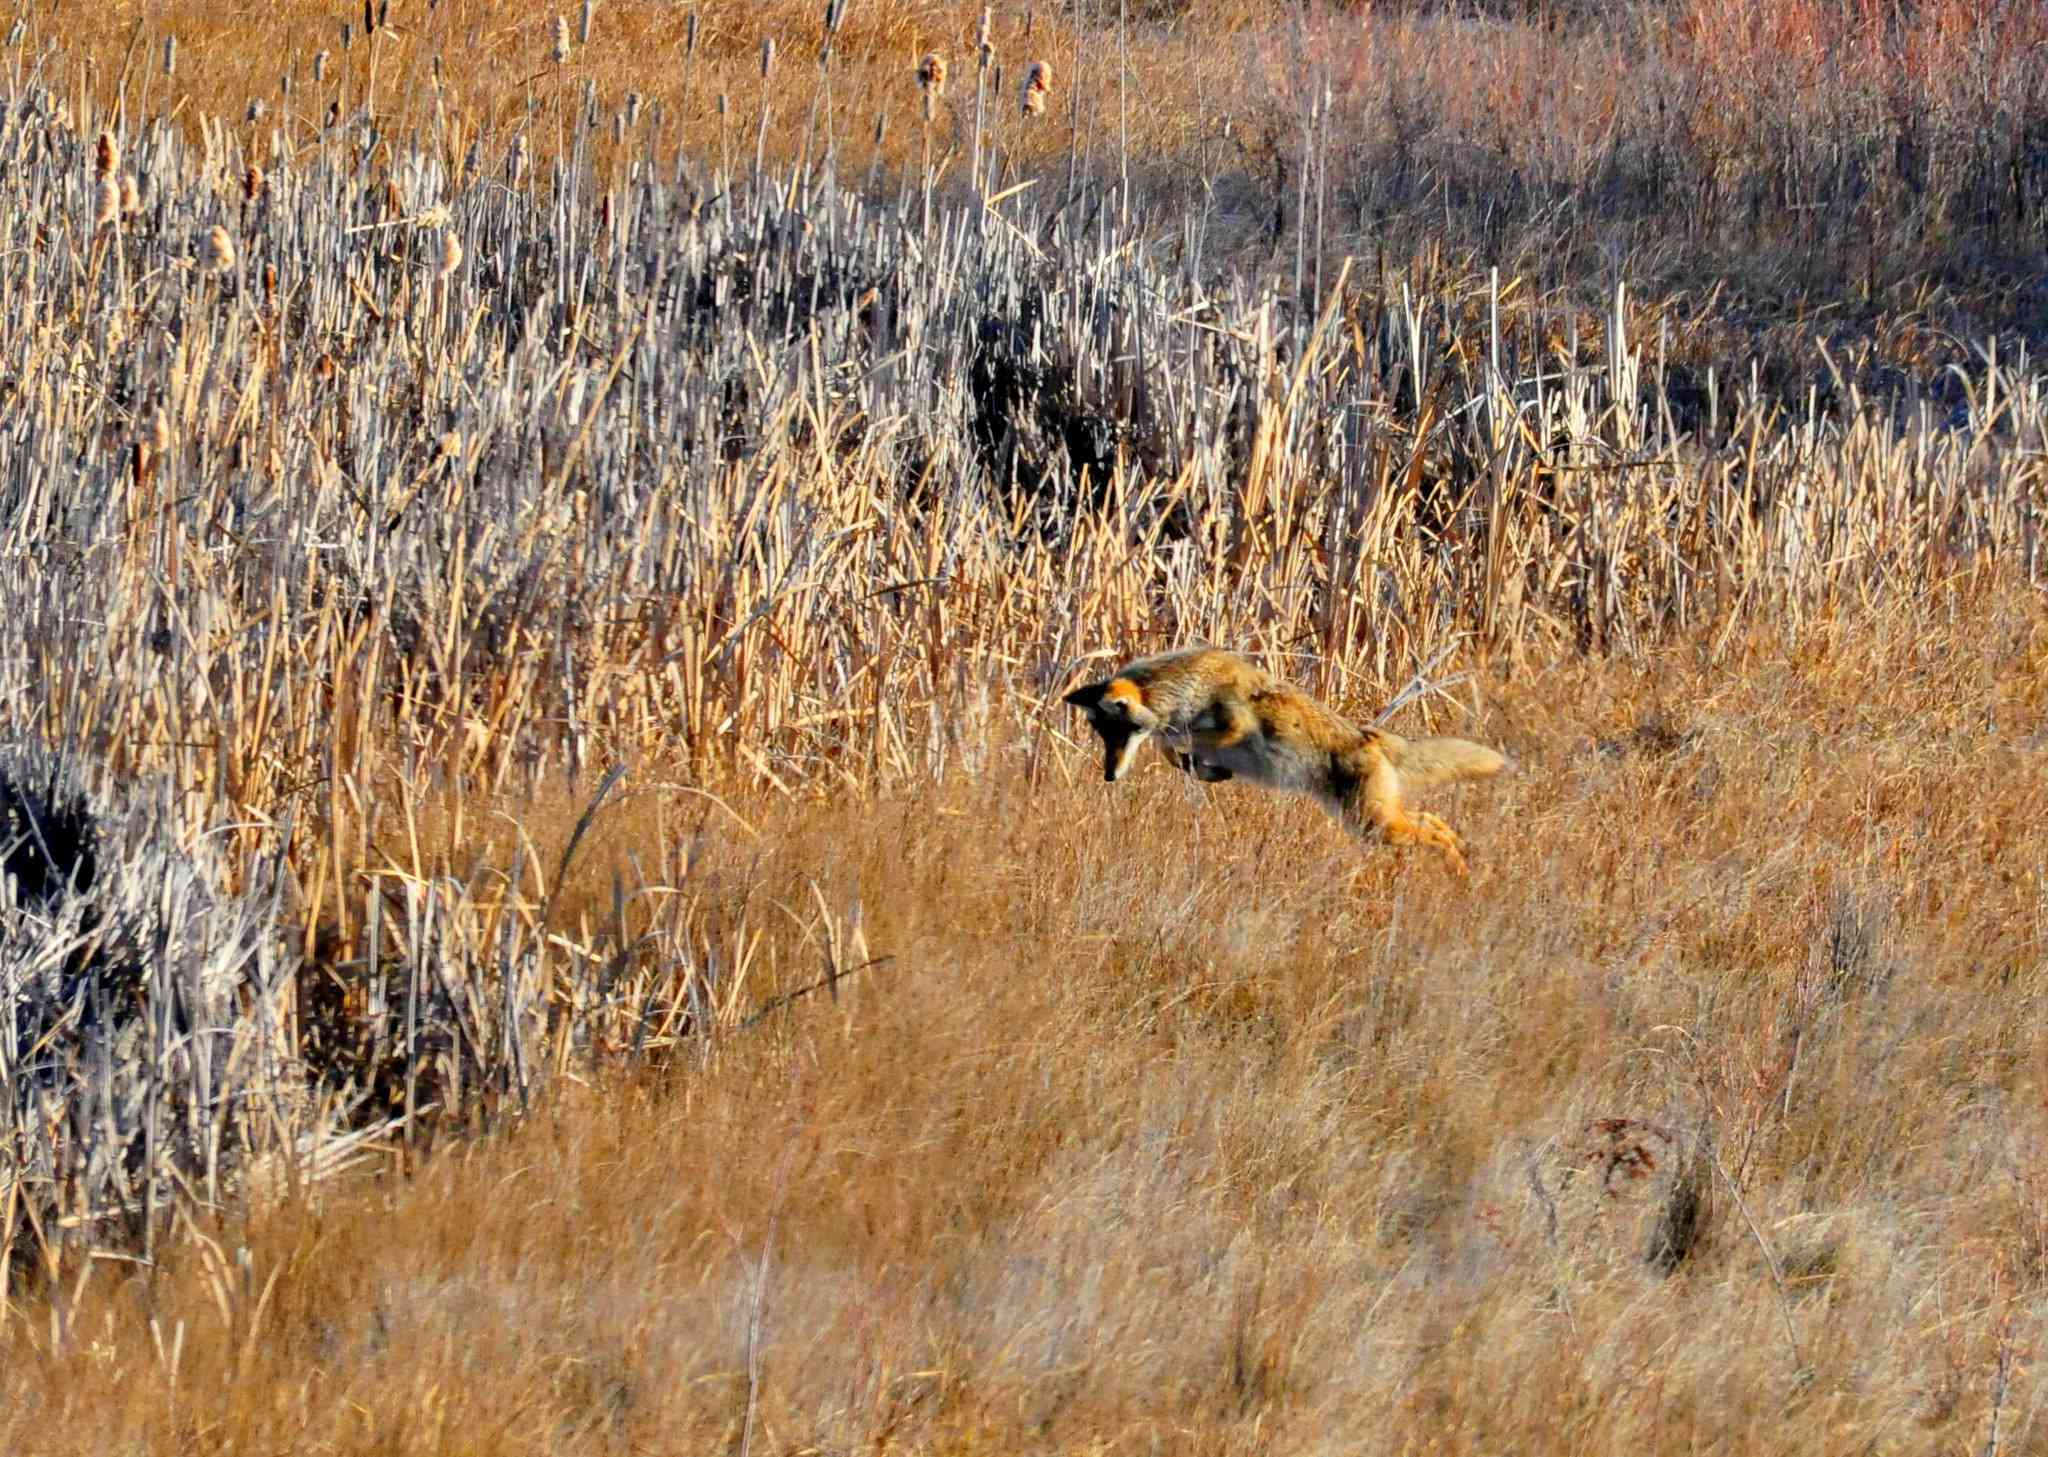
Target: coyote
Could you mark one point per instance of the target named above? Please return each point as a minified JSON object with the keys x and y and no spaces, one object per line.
{"x":1236,"y":720}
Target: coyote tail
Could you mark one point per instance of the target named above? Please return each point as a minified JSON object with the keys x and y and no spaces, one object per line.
{"x":1424,"y":762}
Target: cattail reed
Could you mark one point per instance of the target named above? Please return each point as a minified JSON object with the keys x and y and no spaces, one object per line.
{"x":105,"y":154}
{"x":561,"y":40}
{"x":217,"y":253}
{"x":1037,"y":87}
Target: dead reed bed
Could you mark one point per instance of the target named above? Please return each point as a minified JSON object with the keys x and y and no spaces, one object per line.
{"x":430,"y":586}
{"x":1866,"y":167}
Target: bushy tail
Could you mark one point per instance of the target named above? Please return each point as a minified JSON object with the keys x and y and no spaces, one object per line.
{"x":1423,"y":762}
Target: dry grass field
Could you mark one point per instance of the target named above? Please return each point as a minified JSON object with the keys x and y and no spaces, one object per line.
{"x":548,"y":900}
{"x":1150,"y":1134}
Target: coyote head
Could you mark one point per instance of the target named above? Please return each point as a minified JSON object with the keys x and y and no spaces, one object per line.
{"x":1116,"y":710}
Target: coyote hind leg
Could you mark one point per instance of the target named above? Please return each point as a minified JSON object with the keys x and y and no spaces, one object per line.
{"x":1378,"y":803}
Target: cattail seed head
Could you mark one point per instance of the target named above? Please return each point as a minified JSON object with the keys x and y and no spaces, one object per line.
{"x":690,"y":35}
{"x":131,"y":195}
{"x":633,"y":105}
{"x":107,"y":202}
{"x":170,"y":55}
{"x":767,"y":56}
{"x":520,"y":157}
{"x":981,"y":30}
{"x":256,"y":111}
{"x":217,"y":255}
{"x":583,"y":23}
{"x":1037,"y":87}
{"x":561,"y":40}
{"x":105,"y":154}
{"x":320,"y":67}
{"x":451,"y":253}
{"x":931,"y":74}
{"x":158,"y":438}
{"x":252,"y":183}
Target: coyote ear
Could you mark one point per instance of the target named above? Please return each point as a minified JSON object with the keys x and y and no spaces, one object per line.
{"x":1088,"y":695}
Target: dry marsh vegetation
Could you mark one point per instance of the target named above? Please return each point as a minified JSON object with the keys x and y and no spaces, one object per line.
{"x":1875,"y":169}
{"x":549,"y":901}
{"x":1151,"y":1133}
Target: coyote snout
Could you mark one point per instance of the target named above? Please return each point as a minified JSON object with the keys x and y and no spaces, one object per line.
{"x":1240,"y":722}
{"x":1117,"y":712}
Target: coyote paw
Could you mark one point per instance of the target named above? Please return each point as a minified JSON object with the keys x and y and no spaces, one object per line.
{"x":1441,"y":835}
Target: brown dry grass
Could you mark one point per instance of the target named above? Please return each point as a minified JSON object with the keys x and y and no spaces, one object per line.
{"x":1148,"y":1134}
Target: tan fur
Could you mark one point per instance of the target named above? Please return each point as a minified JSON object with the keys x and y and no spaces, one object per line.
{"x":1240,"y":722}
